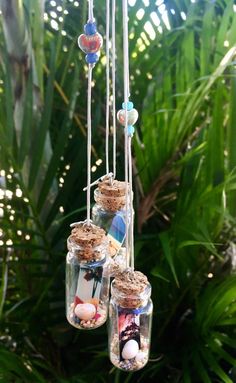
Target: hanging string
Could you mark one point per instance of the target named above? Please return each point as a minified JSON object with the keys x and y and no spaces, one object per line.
{"x":89,"y":138}
{"x":131,"y":203}
{"x":126,"y":99}
{"x":91,"y":48}
{"x":114,"y":83}
{"x":107,"y":81}
{"x":90,"y":11}
{"x":128,"y":151}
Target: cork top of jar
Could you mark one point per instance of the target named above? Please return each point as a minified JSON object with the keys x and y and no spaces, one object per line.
{"x":87,"y":235}
{"x":130,"y":282}
{"x":112,"y":189}
{"x":85,"y":239}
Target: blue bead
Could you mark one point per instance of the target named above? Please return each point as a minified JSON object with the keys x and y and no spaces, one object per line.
{"x":131,"y":130}
{"x":90,"y":28}
{"x":130,"y":105}
{"x":92,"y":58}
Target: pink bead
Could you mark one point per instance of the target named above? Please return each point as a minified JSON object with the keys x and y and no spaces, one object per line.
{"x":90,"y":44}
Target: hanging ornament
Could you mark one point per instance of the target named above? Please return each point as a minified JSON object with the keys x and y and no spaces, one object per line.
{"x":130,"y":320}
{"x":109,"y":212}
{"x":130,"y":312}
{"x":87,"y":277}
{"x":91,"y":247}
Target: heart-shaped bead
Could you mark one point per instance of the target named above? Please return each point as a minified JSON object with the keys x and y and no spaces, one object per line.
{"x":132,"y":116}
{"x":90,"y":44}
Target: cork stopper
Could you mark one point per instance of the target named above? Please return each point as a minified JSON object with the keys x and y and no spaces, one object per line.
{"x":131,"y":288}
{"x":85,"y":241}
{"x":111,"y":196}
{"x":114,"y":189}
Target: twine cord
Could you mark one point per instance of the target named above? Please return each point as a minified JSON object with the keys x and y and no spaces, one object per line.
{"x":114,"y":83}
{"x":128,"y":151}
{"x":126,"y":99}
{"x":107,"y":81}
{"x":89,"y":141}
{"x":90,"y":11}
{"x":131,"y":227}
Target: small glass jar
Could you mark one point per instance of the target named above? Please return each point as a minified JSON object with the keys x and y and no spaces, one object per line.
{"x":87,"y":280}
{"x":109,"y":213}
{"x":130,"y":320}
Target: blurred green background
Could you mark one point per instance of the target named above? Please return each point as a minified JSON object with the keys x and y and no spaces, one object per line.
{"x":183,"y":83}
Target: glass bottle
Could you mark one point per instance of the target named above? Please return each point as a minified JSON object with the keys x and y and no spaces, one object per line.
{"x":87,"y":277}
{"x":109,"y":213}
{"x":130,"y":320}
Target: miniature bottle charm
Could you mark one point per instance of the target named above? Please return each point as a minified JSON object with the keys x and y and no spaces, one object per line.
{"x":87,"y":277}
{"x":130,"y":320}
{"x":90,"y":42}
{"x":109,"y":213}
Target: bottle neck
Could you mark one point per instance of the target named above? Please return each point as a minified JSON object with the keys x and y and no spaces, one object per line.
{"x":88,"y":255}
{"x":109,"y":202}
{"x":131,"y":301}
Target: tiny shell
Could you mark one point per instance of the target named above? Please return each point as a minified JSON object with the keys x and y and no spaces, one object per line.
{"x":130,"y":349}
{"x":140,"y":356}
{"x":85,"y":311}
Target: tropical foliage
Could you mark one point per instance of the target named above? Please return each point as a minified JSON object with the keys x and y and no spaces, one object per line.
{"x":184,"y":86}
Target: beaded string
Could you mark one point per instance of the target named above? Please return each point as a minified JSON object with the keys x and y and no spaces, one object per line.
{"x":113,"y":79}
{"x":90,"y":43}
{"x":126,"y":99}
{"x":114,"y":83}
{"x":89,"y":143}
{"x":131,"y":227}
{"x":107,"y":81}
{"x":127,"y":117}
